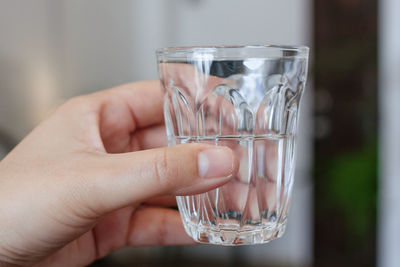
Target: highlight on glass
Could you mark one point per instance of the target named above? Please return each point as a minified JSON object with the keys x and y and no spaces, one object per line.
{"x":246,"y":98}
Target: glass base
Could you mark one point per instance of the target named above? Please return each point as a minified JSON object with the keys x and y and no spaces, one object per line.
{"x":229,"y":237}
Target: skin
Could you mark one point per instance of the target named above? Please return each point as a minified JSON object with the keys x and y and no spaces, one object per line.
{"x":91,"y":179}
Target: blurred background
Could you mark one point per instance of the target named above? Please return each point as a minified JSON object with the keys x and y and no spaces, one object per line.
{"x":346,"y":209}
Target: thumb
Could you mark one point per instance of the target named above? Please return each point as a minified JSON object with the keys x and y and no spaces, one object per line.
{"x":130,"y":178}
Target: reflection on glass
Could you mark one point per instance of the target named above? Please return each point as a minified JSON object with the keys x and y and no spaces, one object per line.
{"x":246,"y":98}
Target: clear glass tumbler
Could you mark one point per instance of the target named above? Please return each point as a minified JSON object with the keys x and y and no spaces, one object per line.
{"x":246,"y":98}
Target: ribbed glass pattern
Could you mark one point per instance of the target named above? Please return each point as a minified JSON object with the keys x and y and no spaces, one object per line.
{"x":250,"y":105}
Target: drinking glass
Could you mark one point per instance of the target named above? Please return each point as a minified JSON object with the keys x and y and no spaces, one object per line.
{"x":246,"y":98}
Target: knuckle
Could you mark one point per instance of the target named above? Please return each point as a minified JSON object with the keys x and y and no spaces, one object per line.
{"x":166,"y":172}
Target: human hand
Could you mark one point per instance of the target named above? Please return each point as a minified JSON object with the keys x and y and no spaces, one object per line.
{"x":79,"y":185}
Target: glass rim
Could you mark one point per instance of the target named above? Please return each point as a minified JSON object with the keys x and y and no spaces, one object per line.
{"x":300,"y":50}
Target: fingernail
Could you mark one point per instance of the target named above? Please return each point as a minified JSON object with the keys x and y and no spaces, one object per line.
{"x":215,"y":162}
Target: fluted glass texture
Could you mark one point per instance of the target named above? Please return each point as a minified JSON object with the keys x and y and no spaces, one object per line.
{"x":246,"y":98}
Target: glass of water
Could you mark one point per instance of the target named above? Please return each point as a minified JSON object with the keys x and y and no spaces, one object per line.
{"x":246,"y":98}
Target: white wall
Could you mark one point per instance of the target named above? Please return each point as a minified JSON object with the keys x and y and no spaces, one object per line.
{"x":389,"y":130}
{"x":24,"y":66}
{"x":53,"y":50}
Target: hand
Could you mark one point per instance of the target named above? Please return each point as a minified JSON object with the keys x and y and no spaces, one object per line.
{"x":79,"y":185}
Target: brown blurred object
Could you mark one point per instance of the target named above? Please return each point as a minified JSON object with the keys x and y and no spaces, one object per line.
{"x":346,"y":110}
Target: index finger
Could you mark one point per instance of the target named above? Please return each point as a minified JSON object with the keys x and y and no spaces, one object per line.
{"x":144,"y":99}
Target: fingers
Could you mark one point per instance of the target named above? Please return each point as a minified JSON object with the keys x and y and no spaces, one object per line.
{"x":108,"y":118}
{"x":139,"y":227}
{"x":124,"y":179}
{"x":144,"y":100}
{"x":165,"y":228}
{"x":165,"y":201}
{"x":126,"y":109}
{"x":147,"y":138}
{"x":126,"y":227}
